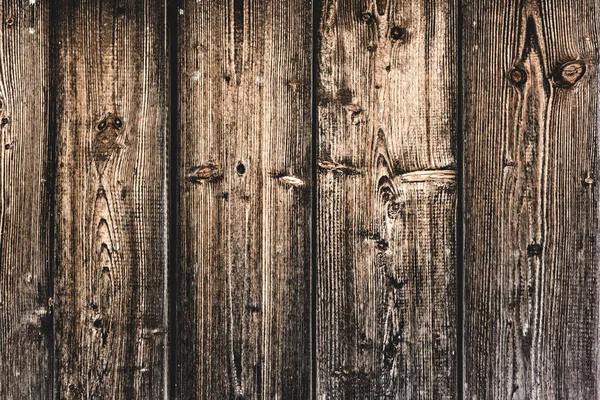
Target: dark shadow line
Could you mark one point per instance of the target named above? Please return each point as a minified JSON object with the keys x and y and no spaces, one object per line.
{"x":173,"y":197}
{"x":460,"y":275}
{"x":52,"y":170}
{"x":316,"y":16}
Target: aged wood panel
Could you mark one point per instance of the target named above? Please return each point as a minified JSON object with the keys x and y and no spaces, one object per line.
{"x":243,"y":309}
{"x":25,"y":278}
{"x":531,"y":200}
{"x":111,"y":120}
{"x":386,"y":311}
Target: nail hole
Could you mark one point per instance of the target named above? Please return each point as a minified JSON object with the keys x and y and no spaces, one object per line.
{"x":240,"y":169}
{"x":10,"y":21}
{"x":398,"y":33}
{"x":517,"y":76}
{"x":101,"y":125}
{"x":118,"y":122}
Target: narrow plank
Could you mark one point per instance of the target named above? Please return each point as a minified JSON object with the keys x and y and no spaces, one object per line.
{"x":243,"y":313}
{"x":111,"y":199}
{"x":25,"y":277}
{"x":531,"y":201}
{"x":386,"y":255}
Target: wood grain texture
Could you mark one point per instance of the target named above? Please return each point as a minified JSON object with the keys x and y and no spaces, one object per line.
{"x":243,"y":311}
{"x":386,"y":200}
{"x":531,"y":199}
{"x":25,"y":278}
{"x":111,"y":116}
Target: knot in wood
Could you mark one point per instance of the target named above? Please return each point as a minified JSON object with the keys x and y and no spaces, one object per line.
{"x":367,"y":17}
{"x":105,"y":141}
{"x":204,"y":173}
{"x":398,"y":33}
{"x":393,"y":210}
{"x":568,"y":74}
{"x":517,"y":76}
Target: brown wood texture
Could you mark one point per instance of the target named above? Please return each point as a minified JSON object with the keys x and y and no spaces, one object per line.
{"x":243,"y":306}
{"x":386,"y":209}
{"x":25,"y":278}
{"x":111,"y":127}
{"x":531,"y":200}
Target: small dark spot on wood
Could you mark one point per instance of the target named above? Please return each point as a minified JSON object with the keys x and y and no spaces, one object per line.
{"x":398,"y":33}
{"x":393,"y":282}
{"x":105,"y":269}
{"x":382,"y":244}
{"x":568,"y":74}
{"x":8,"y":146}
{"x":517,"y":76}
{"x":240,"y":169}
{"x":253,"y":309}
{"x":388,"y":68}
{"x":515,"y":388}
{"x":98,"y":323}
{"x":4,"y":121}
{"x":227,"y":78}
{"x":345,"y":95}
{"x":121,"y":11}
{"x":366,"y":17}
{"x":372,"y":48}
{"x":225,"y":195}
{"x":123,"y":193}
{"x":245,"y":197}
{"x":534,"y":249}
{"x":10,"y":21}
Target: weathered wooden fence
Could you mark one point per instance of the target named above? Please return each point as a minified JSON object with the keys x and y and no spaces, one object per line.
{"x":259,"y":199}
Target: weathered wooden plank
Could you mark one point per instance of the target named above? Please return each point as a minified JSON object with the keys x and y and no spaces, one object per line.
{"x":25,"y":278}
{"x":387,"y":200}
{"x":243,"y":312}
{"x":531,"y":200}
{"x":111,"y":121}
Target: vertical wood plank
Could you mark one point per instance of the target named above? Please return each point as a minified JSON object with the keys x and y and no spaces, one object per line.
{"x":111,"y":199}
{"x":25,"y":278}
{"x":243,"y":313}
{"x":387,"y":200}
{"x":531,"y":199}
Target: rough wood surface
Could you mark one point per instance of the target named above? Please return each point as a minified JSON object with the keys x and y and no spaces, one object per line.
{"x":386,"y":200}
{"x":25,"y":278}
{"x":531,"y":199}
{"x":111,"y":115}
{"x":243,"y":309}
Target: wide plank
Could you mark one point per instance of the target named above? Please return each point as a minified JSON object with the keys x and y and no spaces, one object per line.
{"x":387,"y":200}
{"x":243,"y":309}
{"x":111,"y":213}
{"x":25,"y":184}
{"x":531,"y":199}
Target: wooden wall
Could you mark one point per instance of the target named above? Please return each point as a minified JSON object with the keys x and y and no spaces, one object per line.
{"x":337,"y":199}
